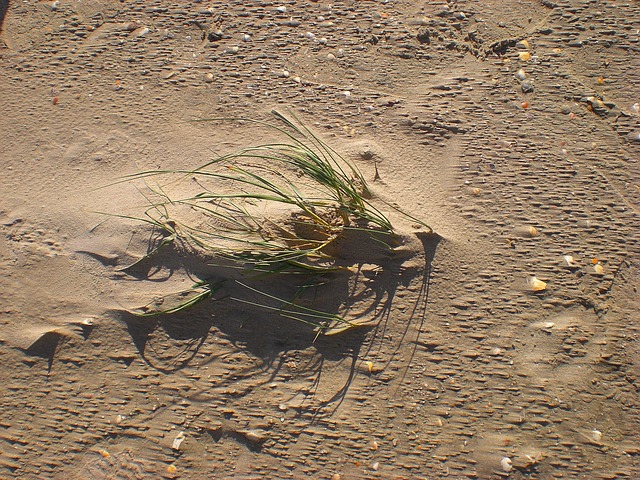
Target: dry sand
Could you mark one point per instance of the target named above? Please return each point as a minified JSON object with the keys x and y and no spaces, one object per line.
{"x":484,"y":118}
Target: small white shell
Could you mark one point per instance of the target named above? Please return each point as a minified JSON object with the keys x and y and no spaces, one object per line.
{"x":178,"y":441}
{"x":506,"y":464}
{"x":596,"y":435}
{"x":254,"y":436}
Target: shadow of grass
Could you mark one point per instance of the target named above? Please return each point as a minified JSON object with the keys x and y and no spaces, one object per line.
{"x":4,"y":6}
{"x":366,"y":291}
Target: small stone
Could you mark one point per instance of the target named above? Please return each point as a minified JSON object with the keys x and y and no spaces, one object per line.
{"x":246,"y":37}
{"x":282,"y":9}
{"x":424,"y":36}
{"x":214,"y":35}
{"x":527,"y":87}
{"x":141,"y":32}
{"x":634,"y":136}
{"x":208,"y":78}
{"x":506,"y":464}
{"x":233,"y":50}
{"x":310,"y":35}
{"x":331,"y":56}
{"x":521,"y":74}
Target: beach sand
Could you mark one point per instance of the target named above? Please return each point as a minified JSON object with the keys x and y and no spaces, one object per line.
{"x":510,"y":128}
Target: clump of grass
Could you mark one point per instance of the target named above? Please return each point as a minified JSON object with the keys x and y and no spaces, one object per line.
{"x":272,"y":209}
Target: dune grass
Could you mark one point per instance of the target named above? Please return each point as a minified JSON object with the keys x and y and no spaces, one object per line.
{"x":271,"y":209}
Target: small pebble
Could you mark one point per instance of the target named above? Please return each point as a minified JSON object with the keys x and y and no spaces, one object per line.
{"x":233,"y":50}
{"x":246,"y":37}
{"x":521,"y":74}
{"x":208,"y":78}
{"x":331,"y":56}
{"x":506,"y":464}
{"x":282,"y":9}
{"x":214,"y":36}
{"x":527,"y":87}
{"x":142,"y":32}
{"x":310,"y":35}
{"x":634,"y":136}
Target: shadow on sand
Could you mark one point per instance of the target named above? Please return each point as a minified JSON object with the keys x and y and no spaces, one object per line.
{"x":4,"y":6}
{"x":366,"y":290}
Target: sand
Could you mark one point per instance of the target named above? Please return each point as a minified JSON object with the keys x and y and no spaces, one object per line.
{"x":510,"y":128}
